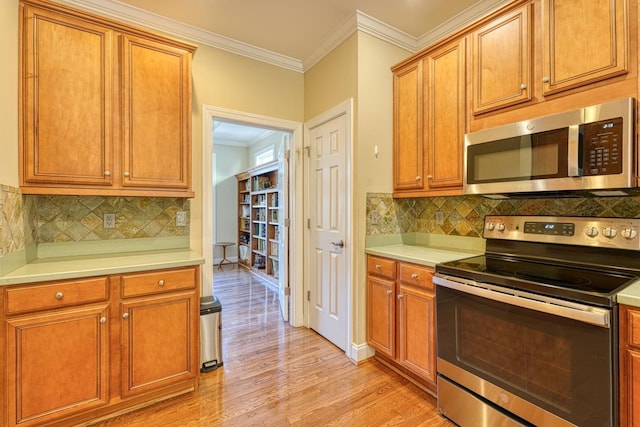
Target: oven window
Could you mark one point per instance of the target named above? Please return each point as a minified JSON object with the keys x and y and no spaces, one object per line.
{"x":534,"y":156}
{"x":561,"y":365}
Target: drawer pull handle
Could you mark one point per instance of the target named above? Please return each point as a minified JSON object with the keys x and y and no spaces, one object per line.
{"x":59,"y":295}
{"x":125,"y":315}
{"x":414,"y":276}
{"x":161,"y":282}
{"x":103,"y":320}
{"x":378,"y":266}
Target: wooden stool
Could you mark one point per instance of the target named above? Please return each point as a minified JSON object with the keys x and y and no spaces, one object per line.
{"x":224,"y":259}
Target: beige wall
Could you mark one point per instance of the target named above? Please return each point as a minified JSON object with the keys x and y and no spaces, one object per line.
{"x":9,"y":93}
{"x":375,"y":128}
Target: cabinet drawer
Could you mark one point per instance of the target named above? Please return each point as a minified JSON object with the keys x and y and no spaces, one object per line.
{"x":416,"y":275}
{"x":381,"y":267}
{"x":56,"y":294}
{"x":158,"y":282}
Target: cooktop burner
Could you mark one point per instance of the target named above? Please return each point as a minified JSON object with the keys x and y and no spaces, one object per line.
{"x":586,"y":260}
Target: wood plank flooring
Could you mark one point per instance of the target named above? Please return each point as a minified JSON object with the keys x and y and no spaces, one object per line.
{"x":278,"y":375}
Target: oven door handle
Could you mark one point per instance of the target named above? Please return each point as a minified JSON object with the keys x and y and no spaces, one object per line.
{"x":580,"y":312}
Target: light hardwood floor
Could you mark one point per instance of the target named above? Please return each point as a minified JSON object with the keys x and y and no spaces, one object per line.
{"x":278,"y":375}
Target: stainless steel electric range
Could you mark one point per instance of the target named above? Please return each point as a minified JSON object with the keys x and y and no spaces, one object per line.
{"x":527,"y":332}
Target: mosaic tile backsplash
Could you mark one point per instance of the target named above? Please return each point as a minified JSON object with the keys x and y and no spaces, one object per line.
{"x":464,"y":215}
{"x":29,"y":220}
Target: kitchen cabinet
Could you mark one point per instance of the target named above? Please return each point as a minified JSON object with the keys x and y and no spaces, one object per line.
{"x":57,"y":359}
{"x":401,"y":317}
{"x":629,"y":366}
{"x":159,"y":333}
{"x":501,"y":61}
{"x":429,"y":122}
{"x":583,"y":41}
{"x":81,"y":349}
{"x":408,"y":134}
{"x":105,"y":107}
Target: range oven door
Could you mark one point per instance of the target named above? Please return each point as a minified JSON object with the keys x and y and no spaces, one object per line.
{"x":547,"y":361}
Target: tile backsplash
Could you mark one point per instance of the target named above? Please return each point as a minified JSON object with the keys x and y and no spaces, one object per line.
{"x":464,"y":215}
{"x":29,"y":220}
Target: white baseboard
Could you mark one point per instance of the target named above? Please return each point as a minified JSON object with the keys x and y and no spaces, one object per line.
{"x":360,"y":352}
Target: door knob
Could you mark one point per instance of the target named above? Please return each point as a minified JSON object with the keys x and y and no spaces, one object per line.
{"x":339,"y":243}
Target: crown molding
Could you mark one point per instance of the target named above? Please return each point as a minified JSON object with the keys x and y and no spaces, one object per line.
{"x":153,"y":21}
{"x":359,"y":21}
{"x":461,"y":20}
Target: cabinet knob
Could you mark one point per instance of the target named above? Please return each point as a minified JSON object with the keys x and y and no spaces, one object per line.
{"x":546,"y":79}
{"x":400,"y":296}
{"x":389,"y":292}
{"x":418,"y":178}
{"x":429,"y":176}
{"x":378,"y":266}
{"x":107,"y":173}
{"x":125,"y":315}
{"x":59,"y":295}
{"x":126,"y":174}
{"x":161,"y":282}
{"x":523,"y":86}
{"x":103,"y":320}
{"x":414,"y":276}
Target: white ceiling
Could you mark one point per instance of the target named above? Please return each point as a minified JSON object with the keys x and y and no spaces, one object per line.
{"x":238,"y":135}
{"x":295,"y":33}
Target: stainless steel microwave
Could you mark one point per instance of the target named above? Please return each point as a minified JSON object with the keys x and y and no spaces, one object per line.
{"x":592,"y":148}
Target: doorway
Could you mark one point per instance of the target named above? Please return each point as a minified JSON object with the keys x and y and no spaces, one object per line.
{"x":239,"y":140}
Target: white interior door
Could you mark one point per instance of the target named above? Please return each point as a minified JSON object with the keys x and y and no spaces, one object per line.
{"x":328,"y":288}
{"x":283,"y":227}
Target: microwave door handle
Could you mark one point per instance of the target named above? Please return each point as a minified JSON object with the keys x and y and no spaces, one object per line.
{"x":574,"y":151}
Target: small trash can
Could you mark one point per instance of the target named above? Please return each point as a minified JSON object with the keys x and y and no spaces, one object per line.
{"x":210,"y":334}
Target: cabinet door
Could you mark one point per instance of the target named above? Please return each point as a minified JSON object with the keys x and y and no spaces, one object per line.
{"x":159,"y":341}
{"x":157,"y":114}
{"x":408,"y":146}
{"x":66,"y":82}
{"x":381,"y":313}
{"x":416,"y":329}
{"x":445,"y":113}
{"x":584,"y":41}
{"x":502,"y":61}
{"x":57,"y":364}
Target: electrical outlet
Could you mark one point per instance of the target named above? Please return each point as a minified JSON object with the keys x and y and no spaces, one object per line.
{"x":109,"y":220}
{"x":374,"y":217}
{"x":439,"y":218}
{"x":181,"y":219}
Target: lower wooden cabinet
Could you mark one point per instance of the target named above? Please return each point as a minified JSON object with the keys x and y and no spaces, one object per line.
{"x":401,"y":317}
{"x":629,"y":373}
{"x":77,"y":350}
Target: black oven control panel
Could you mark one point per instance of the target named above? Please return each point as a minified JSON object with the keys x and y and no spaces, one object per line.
{"x":621,"y":233}
{"x":602,"y":147}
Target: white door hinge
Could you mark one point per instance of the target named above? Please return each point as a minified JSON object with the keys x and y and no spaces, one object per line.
{"x":307,"y":150}
{"x":287,"y":291}
{"x":287,"y":222}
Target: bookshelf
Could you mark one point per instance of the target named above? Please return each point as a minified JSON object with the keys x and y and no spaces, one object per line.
{"x":259,"y":215}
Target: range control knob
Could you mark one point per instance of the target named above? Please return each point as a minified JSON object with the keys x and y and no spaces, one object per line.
{"x":500,"y":227}
{"x":591,"y":231}
{"x":629,"y":233}
{"x":490,"y":226}
{"x":609,"y":232}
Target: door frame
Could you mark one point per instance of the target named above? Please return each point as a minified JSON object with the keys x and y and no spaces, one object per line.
{"x":209,"y":114}
{"x":344,"y":108}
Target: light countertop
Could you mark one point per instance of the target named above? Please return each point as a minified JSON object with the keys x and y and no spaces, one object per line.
{"x":630,"y":295}
{"x":417,"y":254}
{"x":76,"y":266}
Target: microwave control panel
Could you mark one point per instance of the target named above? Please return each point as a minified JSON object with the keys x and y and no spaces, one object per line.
{"x":602,"y":147}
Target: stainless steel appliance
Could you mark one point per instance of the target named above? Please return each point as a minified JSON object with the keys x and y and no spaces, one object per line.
{"x":591,"y":148}
{"x":527,"y":332}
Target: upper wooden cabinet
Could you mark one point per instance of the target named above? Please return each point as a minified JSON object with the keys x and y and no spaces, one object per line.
{"x":501,"y":61}
{"x":408,"y":137}
{"x":583,"y":41}
{"x":429,"y":122}
{"x":105,"y":107}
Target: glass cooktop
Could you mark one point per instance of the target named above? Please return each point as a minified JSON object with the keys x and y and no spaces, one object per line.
{"x":575,"y":283}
